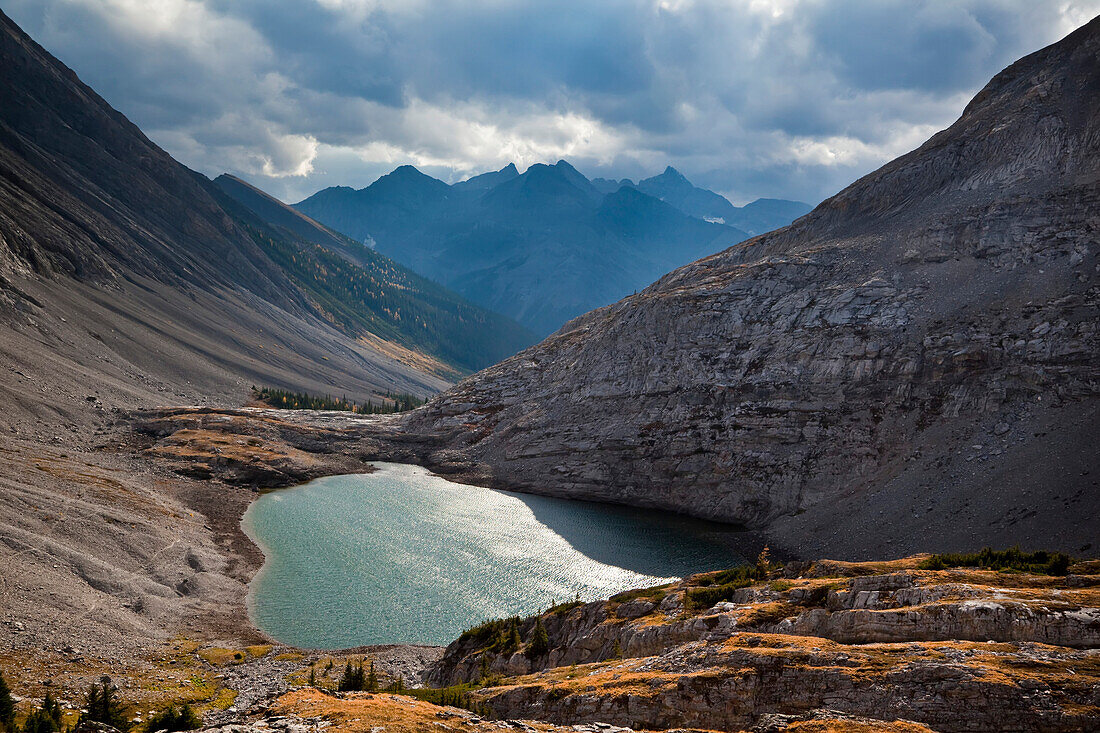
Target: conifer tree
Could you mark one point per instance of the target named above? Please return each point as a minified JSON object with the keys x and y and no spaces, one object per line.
{"x":104,"y":706}
{"x":354,"y":679}
{"x":347,"y":679}
{"x":513,"y":641}
{"x":372,"y":679}
{"x":174,"y":720}
{"x":45,"y":719}
{"x":7,"y":707}
{"x":540,"y":640}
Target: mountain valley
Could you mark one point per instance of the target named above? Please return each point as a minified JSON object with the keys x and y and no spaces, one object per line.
{"x":862,"y":396}
{"x":546,"y":245}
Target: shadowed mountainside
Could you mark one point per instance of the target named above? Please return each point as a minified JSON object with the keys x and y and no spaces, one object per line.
{"x":363,"y":292}
{"x":921,"y":351}
{"x":85,"y":195}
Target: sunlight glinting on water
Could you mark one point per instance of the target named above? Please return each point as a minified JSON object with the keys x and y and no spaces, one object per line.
{"x":402,"y":556}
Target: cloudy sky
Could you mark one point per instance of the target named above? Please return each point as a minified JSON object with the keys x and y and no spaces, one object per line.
{"x":779,"y":98}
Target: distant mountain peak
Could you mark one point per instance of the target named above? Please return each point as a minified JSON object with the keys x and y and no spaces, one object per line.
{"x":407,"y":170}
{"x":486,"y":181}
{"x":760,"y":216}
{"x":541,"y":246}
{"x":668,"y":182}
{"x":407,"y":179}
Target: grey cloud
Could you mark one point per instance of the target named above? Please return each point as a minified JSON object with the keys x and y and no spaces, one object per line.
{"x":301,"y":94}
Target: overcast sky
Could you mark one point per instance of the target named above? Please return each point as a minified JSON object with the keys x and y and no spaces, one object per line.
{"x":778,"y":98}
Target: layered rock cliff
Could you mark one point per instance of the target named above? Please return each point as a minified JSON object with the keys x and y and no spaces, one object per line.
{"x":924,"y":343}
{"x":955,"y":650}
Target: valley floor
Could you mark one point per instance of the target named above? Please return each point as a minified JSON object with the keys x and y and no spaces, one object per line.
{"x":122,"y":553}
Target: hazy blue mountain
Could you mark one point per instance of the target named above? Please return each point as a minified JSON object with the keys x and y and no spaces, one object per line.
{"x":541,"y":247}
{"x":672,"y":188}
{"x":543,"y":194}
{"x":572,"y":175}
{"x":609,"y":185}
{"x":762,"y":215}
{"x":383,"y":210}
{"x":487,"y":180}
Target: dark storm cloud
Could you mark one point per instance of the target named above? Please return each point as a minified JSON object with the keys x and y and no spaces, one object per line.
{"x":791,"y":98}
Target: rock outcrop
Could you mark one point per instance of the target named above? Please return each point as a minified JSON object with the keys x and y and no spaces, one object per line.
{"x":954,"y":650}
{"x":309,"y":711}
{"x":930,"y":333}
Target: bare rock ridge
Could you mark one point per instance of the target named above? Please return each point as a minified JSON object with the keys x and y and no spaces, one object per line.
{"x":277,"y":213}
{"x":921,"y":350}
{"x":952,"y":649}
{"x":87,"y":194}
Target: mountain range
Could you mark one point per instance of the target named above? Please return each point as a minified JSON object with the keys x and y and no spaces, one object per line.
{"x":762,"y":215}
{"x":915,"y":362}
{"x":129,"y":282}
{"x":546,"y":245}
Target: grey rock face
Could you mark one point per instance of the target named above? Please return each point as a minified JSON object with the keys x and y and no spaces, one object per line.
{"x":892,"y":608}
{"x":952,"y":695}
{"x":948,"y":298}
{"x":945,"y":649}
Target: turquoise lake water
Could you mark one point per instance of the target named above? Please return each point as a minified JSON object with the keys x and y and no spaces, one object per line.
{"x":402,"y":556}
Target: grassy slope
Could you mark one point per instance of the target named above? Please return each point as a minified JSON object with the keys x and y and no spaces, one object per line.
{"x":362,"y":292}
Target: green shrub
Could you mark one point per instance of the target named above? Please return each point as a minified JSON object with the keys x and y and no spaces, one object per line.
{"x":721,"y":586}
{"x":483,"y":632}
{"x":1040,"y":562}
{"x":563,"y":608}
{"x":457,"y":696}
{"x":494,"y":634}
{"x":174,"y":720}
{"x":655,"y":593}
